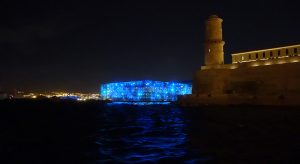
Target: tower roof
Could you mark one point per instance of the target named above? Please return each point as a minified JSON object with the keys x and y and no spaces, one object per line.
{"x":213,"y":16}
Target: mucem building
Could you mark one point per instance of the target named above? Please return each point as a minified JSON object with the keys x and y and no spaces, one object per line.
{"x":144,"y":90}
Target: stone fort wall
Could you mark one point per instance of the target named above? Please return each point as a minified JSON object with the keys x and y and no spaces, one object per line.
{"x":261,"y":77}
{"x":277,"y":84}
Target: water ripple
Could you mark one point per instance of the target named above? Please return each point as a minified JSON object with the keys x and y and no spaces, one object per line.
{"x":146,"y":134}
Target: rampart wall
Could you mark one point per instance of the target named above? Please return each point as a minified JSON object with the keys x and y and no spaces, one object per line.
{"x":277,"y":84}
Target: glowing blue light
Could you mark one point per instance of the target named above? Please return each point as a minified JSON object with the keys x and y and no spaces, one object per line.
{"x":139,"y":103}
{"x":144,"y":91}
{"x":69,"y":97}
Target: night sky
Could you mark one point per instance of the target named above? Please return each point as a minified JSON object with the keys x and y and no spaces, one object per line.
{"x":76,"y":46}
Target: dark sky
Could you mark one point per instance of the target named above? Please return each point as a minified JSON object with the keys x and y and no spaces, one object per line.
{"x":76,"y":46}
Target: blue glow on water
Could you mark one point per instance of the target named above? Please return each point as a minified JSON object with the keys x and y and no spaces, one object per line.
{"x":144,"y":91}
{"x":142,"y":134}
{"x":139,"y":103}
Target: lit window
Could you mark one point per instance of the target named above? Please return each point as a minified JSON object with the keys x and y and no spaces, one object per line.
{"x":209,"y":50}
{"x":242,"y":57}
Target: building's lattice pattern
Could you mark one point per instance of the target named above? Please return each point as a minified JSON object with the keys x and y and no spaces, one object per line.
{"x":144,"y":91}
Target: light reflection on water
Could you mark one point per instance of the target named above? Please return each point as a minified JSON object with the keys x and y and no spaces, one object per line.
{"x":139,"y":103}
{"x":142,"y":134}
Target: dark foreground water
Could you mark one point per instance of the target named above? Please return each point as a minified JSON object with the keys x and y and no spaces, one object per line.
{"x":70,"y":132}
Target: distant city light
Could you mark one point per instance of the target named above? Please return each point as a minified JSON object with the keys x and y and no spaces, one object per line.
{"x":62,"y":95}
{"x":145,"y":90}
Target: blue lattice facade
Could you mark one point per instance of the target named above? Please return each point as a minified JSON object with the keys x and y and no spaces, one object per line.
{"x":144,"y":91}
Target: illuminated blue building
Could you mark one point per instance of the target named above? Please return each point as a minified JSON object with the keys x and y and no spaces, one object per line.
{"x":144,"y":91}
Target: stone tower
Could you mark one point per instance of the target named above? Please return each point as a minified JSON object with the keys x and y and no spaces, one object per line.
{"x":213,"y":45}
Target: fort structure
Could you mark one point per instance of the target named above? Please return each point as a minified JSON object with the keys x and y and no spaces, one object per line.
{"x":213,"y":45}
{"x":260,"y":77}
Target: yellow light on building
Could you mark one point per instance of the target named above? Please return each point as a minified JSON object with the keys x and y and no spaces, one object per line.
{"x":295,"y":60}
{"x":281,"y":62}
{"x":268,"y":63}
{"x":255,"y":64}
{"x":233,"y":66}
